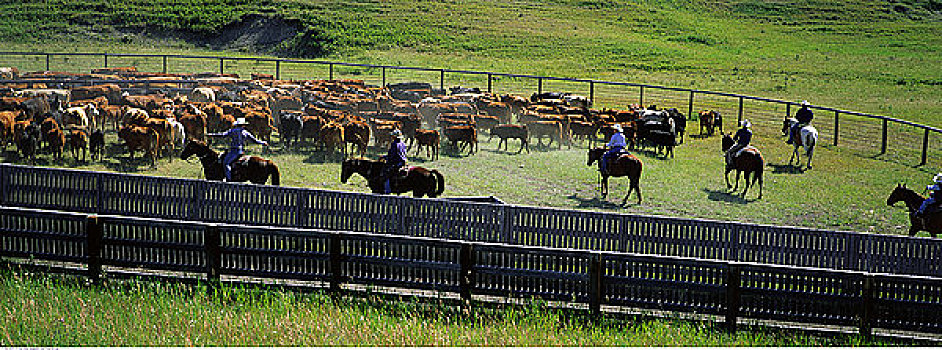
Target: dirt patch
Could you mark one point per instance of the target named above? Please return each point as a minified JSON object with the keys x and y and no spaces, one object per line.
{"x":254,"y":33}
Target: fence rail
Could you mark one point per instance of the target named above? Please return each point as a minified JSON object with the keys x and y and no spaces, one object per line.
{"x":229,"y":203}
{"x":596,"y":280}
{"x":870,"y":134}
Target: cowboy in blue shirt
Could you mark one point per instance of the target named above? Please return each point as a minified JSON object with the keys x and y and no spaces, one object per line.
{"x":616,"y":145}
{"x":743,"y":137}
{"x":395,"y":159}
{"x":934,"y":198}
{"x":804,"y":117}
{"x":238,"y":135}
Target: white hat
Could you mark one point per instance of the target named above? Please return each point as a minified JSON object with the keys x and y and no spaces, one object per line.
{"x":937,"y":178}
{"x":240,"y":121}
{"x":805,"y":103}
{"x":745,"y":123}
{"x":617,"y":128}
{"x":396,"y":133}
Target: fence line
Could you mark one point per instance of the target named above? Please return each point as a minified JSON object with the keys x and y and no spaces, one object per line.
{"x":863,"y":132}
{"x":595,"y":279}
{"x":229,"y":203}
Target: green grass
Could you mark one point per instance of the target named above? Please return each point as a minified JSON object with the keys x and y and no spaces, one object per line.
{"x":45,"y":310}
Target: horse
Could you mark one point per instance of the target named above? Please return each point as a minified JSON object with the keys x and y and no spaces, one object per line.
{"x":419,"y":180}
{"x":625,"y":165}
{"x":247,"y":168}
{"x":933,"y":221}
{"x":807,"y":137}
{"x":749,"y":161}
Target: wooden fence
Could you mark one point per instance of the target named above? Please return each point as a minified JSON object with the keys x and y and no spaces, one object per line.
{"x":104,"y":245}
{"x":227,"y":203}
{"x":868,"y":134}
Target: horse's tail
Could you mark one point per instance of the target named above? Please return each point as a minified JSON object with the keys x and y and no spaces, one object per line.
{"x":440,"y":188}
{"x":275,"y":174}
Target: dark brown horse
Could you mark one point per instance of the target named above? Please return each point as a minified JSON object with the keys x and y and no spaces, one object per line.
{"x":248,"y":168}
{"x":749,"y":161}
{"x":419,"y":180}
{"x":933,"y":221}
{"x":625,"y":165}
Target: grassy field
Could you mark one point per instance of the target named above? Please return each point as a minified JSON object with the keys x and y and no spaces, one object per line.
{"x":43,"y":310}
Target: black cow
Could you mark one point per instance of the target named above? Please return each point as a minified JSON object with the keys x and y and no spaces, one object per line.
{"x":96,"y":144}
{"x":290,"y":127}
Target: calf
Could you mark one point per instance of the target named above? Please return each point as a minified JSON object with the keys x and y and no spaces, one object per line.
{"x":583,"y":130}
{"x":430,"y":139}
{"x":462,"y":136}
{"x":55,"y":139}
{"x":96,"y":144}
{"x":141,"y":138}
{"x":512,"y":131}
{"x":27,"y":142}
{"x":78,"y":142}
{"x":551,"y":129}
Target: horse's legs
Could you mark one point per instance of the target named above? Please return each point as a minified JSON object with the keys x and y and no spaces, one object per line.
{"x":726,"y":177}
{"x":747,"y":183}
{"x":810,"y":153}
{"x":604,"y":186}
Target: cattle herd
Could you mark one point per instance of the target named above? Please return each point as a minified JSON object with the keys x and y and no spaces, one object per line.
{"x":339,"y":117}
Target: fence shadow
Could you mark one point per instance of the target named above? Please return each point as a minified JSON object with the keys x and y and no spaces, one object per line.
{"x":727,"y":196}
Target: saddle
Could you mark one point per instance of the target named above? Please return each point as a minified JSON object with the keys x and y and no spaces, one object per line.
{"x":750,"y":148}
{"x":401,"y":173}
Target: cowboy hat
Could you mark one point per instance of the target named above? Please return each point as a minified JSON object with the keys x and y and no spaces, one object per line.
{"x":805,"y":103}
{"x":396,"y":133}
{"x":617,"y":127}
{"x":745,"y":123}
{"x":240,"y":121}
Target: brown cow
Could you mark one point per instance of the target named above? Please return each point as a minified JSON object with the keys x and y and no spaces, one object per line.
{"x":357,"y":134}
{"x":78,"y":142}
{"x":55,"y":139}
{"x":311,"y":127}
{"x":331,"y":136}
{"x":461,"y":136}
{"x":486,"y":122}
{"x":551,"y":129}
{"x":7,"y":121}
{"x":583,"y":130}
{"x":501,"y":110}
{"x":111,"y":92}
{"x":430,"y":139}
{"x":194,"y":125}
{"x":141,"y":138}
{"x":260,"y":124}
{"x":512,"y":131}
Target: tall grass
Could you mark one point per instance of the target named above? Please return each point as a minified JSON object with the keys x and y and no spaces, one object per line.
{"x":49,"y":310}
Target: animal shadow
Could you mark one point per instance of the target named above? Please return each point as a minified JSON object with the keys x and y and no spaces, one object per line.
{"x":786,"y":169}
{"x":727,"y":196}
{"x":599,"y":203}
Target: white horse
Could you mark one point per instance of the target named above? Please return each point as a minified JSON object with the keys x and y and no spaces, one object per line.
{"x":807,"y":138}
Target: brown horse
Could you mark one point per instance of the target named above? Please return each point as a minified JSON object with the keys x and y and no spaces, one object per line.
{"x":625,"y":165}
{"x":248,"y":168}
{"x":709,"y":121}
{"x":419,"y":180}
{"x":933,"y":221}
{"x":749,"y":161}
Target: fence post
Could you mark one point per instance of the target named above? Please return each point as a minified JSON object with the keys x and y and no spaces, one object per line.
{"x":788,"y":109}
{"x":212,"y":242}
{"x":441,"y":81}
{"x":336,"y":272}
{"x":106,"y":60}
{"x":836,"y":126}
{"x":883,"y":144}
{"x":539,"y":86}
{"x":94,"y":235}
{"x":47,"y":62}
{"x":277,"y":70}
{"x":591,"y":91}
{"x":733,"y":280}
{"x":221,"y":65}
{"x":641,"y":99}
{"x":690,"y":105}
{"x":866,"y":306}
{"x":330,"y":68}
{"x":596,"y":289}
{"x":925,"y":148}
{"x":165,"y":64}
{"x":739,"y":118}
{"x":384,"y":76}
{"x":466,"y":277}
{"x":490,"y":79}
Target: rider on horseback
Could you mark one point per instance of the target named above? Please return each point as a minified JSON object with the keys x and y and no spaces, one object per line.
{"x":934,"y":198}
{"x":804,"y":117}
{"x":238,"y":135}
{"x":395,"y":159}
{"x":616,"y":144}
{"x":743,"y":137}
